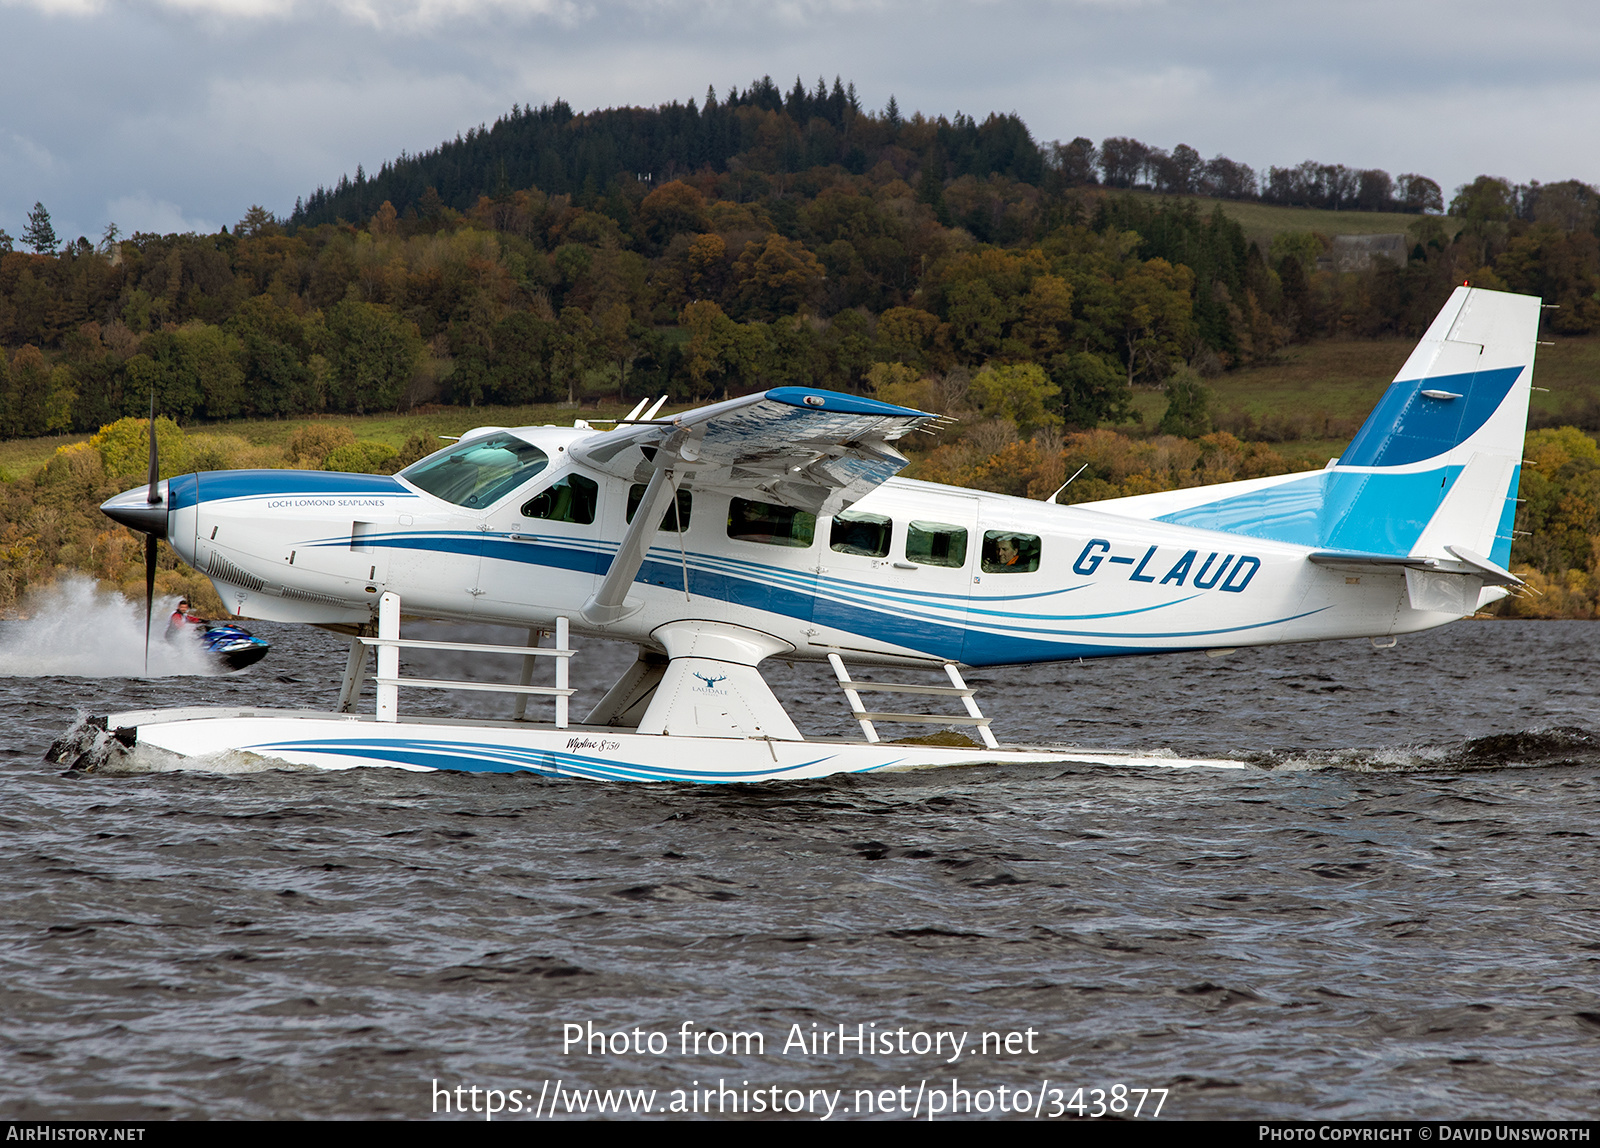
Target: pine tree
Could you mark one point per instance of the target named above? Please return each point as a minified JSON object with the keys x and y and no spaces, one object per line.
{"x":39,"y":235}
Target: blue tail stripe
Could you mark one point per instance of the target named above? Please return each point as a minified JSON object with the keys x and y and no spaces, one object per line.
{"x":1334,"y":509}
{"x":1500,"y":553}
{"x":1408,"y":427}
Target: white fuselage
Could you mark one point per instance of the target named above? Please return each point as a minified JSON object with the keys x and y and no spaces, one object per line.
{"x":320,"y":547}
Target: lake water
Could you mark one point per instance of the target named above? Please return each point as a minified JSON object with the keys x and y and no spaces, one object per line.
{"x":1392,"y":913}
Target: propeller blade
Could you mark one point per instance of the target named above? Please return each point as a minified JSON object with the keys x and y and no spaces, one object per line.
{"x":153,"y":498}
{"x":149,"y":594}
{"x":155,"y":468}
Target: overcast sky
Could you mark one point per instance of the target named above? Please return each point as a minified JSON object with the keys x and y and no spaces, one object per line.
{"x":175,"y":115}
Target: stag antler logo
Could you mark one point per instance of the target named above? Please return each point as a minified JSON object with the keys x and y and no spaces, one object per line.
{"x":711,"y":683}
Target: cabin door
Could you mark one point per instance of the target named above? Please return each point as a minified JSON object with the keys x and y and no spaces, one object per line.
{"x":900,"y":574}
{"x":541,"y":548}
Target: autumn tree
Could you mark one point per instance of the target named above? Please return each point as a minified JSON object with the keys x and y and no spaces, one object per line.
{"x":712,"y":336}
{"x":37,"y":399}
{"x":258,"y":221}
{"x":775,"y":276}
{"x":914,"y":337}
{"x":1143,"y":312}
{"x":614,"y":331}
{"x":1484,"y":200}
{"x":274,"y":351}
{"x":525,"y":347}
{"x":1093,"y":389}
{"x":1561,"y":267}
{"x":9,"y":400}
{"x":981,"y":296}
{"x":386,"y":221}
{"x":1418,"y":193}
{"x":672,"y":208}
{"x":1022,"y":393}
{"x":372,"y":354}
{"x":1569,"y":205}
{"x":1075,"y":162}
{"x":575,"y":343}
{"x":1123,"y":161}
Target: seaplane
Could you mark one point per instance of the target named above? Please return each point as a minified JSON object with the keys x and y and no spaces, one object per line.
{"x":773,"y":526}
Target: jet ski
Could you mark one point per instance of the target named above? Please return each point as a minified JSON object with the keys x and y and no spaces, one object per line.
{"x":234,"y":646}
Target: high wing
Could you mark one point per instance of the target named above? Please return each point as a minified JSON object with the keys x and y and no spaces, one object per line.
{"x":818,"y":451}
{"x":815,"y":450}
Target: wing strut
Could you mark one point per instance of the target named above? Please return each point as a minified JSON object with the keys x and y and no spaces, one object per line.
{"x":609,"y":603}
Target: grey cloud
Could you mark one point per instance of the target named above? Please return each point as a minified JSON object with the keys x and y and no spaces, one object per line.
{"x":207,"y":106}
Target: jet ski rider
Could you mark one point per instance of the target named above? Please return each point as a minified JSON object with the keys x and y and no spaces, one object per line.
{"x":181,"y":618}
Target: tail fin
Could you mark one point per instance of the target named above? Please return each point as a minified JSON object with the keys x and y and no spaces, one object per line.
{"x":1460,"y":406}
{"x":1432,"y":472}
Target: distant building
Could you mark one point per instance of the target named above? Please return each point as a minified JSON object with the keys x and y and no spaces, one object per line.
{"x":1356,"y":252}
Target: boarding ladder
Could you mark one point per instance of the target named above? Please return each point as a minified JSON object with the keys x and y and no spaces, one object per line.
{"x":956,"y":689}
{"x":389,"y":643}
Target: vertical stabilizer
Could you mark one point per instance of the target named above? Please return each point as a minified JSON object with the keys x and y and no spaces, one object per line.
{"x":1434,"y":467}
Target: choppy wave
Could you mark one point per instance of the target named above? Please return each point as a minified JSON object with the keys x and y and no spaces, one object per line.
{"x":1524,"y":749}
{"x":74,"y":628}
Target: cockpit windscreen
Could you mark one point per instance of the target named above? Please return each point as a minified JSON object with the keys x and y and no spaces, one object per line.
{"x":478,"y":473}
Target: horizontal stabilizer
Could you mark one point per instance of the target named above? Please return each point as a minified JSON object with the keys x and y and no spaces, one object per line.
{"x":1461,"y":562}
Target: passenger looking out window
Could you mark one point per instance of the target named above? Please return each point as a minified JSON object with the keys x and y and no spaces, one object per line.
{"x":1006,"y":552}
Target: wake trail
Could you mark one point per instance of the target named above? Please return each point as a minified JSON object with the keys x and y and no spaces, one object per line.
{"x":74,"y":628}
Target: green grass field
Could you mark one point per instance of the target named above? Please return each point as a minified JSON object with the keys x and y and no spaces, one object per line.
{"x":19,"y":457}
{"x":1261,"y":221}
{"x":1323,"y":391}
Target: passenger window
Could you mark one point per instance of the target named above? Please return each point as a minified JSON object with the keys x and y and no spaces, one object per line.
{"x":675,"y":514}
{"x":1007,"y":552}
{"x":936,"y":544}
{"x":856,"y":532}
{"x":572,"y":499}
{"x":770,"y":524}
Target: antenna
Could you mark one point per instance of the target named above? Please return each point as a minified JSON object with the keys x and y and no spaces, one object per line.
{"x":1068,"y":483}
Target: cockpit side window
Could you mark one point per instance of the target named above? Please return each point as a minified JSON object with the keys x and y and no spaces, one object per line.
{"x":479,"y":473}
{"x":569,"y":499}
